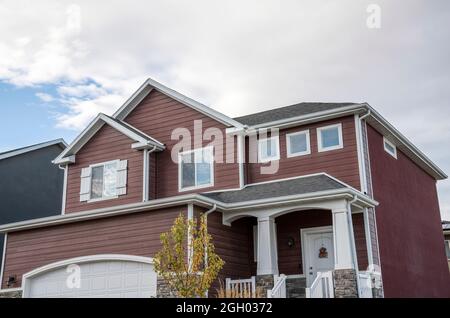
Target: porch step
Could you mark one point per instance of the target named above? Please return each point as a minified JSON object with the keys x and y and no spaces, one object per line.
{"x":295,"y":287}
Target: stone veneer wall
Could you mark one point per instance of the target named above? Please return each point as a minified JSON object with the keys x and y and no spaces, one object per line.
{"x":162,"y":289}
{"x":345,"y":283}
{"x":11,"y":294}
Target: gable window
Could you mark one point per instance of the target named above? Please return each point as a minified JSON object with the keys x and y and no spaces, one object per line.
{"x":390,"y":148}
{"x":298,"y":144}
{"x":268,"y":149}
{"x":103,"y":181}
{"x":330,"y":138}
{"x":196,"y":169}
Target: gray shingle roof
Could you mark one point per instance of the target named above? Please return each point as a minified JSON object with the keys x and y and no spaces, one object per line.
{"x":302,"y":185}
{"x":288,"y":112}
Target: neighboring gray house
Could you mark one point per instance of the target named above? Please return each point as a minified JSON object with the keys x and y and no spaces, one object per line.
{"x":31,"y":185}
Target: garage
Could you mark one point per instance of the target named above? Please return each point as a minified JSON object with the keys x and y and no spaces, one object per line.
{"x":97,"y":276}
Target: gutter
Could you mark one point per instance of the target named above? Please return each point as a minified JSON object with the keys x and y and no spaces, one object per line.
{"x":313,"y":117}
{"x":197,"y":199}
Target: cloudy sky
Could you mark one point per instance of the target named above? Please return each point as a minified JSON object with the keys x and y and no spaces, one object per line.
{"x":62,"y":62}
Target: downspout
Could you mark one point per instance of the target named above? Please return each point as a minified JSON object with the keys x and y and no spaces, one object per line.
{"x":369,"y":112}
{"x":146,"y":172}
{"x":64,"y":195}
{"x":352,"y":239}
{"x":365,"y":186}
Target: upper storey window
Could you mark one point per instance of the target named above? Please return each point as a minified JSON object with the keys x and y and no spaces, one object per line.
{"x":103,"y":181}
{"x":298,"y":144}
{"x":390,"y":148}
{"x":268,"y":149}
{"x":196,"y":169}
{"x":330,"y":138}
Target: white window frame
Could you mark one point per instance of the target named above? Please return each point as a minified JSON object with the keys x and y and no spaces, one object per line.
{"x":269,"y":159}
{"x":319,"y":138}
{"x":386,"y":141}
{"x":90,"y":190}
{"x":180,"y":172}
{"x":290,"y":154}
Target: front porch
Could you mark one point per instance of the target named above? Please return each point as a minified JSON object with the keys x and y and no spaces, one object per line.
{"x":318,"y":249}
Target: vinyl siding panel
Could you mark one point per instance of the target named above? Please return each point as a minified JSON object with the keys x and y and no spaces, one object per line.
{"x":341,"y":163}
{"x":408,"y":222}
{"x":107,"y":144}
{"x":132,"y":234}
{"x":234,"y":245}
{"x":158,"y":115}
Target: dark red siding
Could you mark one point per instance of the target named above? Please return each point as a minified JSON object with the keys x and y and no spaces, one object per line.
{"x":133,"y":234}
{"x":341,"y":163}
{"x":289,"y":225}
{"x":158,"y":115}
{"x":108,"y":144}
{"x":409,"y":229}
{"x":360,"y":240}
{"x":234,"y":244}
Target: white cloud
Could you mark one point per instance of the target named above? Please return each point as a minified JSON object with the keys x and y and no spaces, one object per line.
{"x":45,"y":97}
{"x":239,"y":57}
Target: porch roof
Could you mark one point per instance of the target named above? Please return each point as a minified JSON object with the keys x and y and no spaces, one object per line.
{"x":282,"y":188}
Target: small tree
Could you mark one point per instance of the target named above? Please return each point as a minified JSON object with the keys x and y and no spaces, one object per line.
{"x":187,"y":261}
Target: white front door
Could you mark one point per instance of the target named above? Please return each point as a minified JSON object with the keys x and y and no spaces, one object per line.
{"x":318,"y":251}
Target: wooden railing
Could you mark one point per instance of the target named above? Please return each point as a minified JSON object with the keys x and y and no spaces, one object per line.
{"x":322,"y":286}
{"x":241,"y":288}
{"x":279,"y":288}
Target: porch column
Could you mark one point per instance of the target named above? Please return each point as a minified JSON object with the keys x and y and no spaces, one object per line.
{"x":345,"y":271}
{"x":343,"y":256}
{"x":267,"y":247}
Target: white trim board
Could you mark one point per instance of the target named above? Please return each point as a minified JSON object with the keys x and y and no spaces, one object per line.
{"x":142,"y":141}
{"x":200,"y":200}
{"x":151,"y":84}
{"x":3,"y":259}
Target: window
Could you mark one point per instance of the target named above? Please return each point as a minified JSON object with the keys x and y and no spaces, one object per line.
{"x":268,"y":149}
{"x":103,"y":181}
{"x":298,"y":144}
{"x":330,"y":138}
{"x":196,"y":169}
{"x":390,"y":148}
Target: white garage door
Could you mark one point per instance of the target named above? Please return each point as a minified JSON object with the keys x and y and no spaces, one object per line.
{"x":105,"y":278}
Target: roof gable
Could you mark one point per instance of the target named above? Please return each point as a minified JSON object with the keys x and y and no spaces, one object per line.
{"x":141,"y":140}
{"x":151,"y":84}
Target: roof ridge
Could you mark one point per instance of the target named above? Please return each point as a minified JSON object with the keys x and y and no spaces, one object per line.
{"x":297,"y":104}
{"x":25,"y":149}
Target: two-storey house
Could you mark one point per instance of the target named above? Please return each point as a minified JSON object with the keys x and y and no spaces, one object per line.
{"x":315,"y":199}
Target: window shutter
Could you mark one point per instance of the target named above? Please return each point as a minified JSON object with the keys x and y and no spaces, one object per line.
{"x":121,"y":185}
{"x":85,"y":187}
